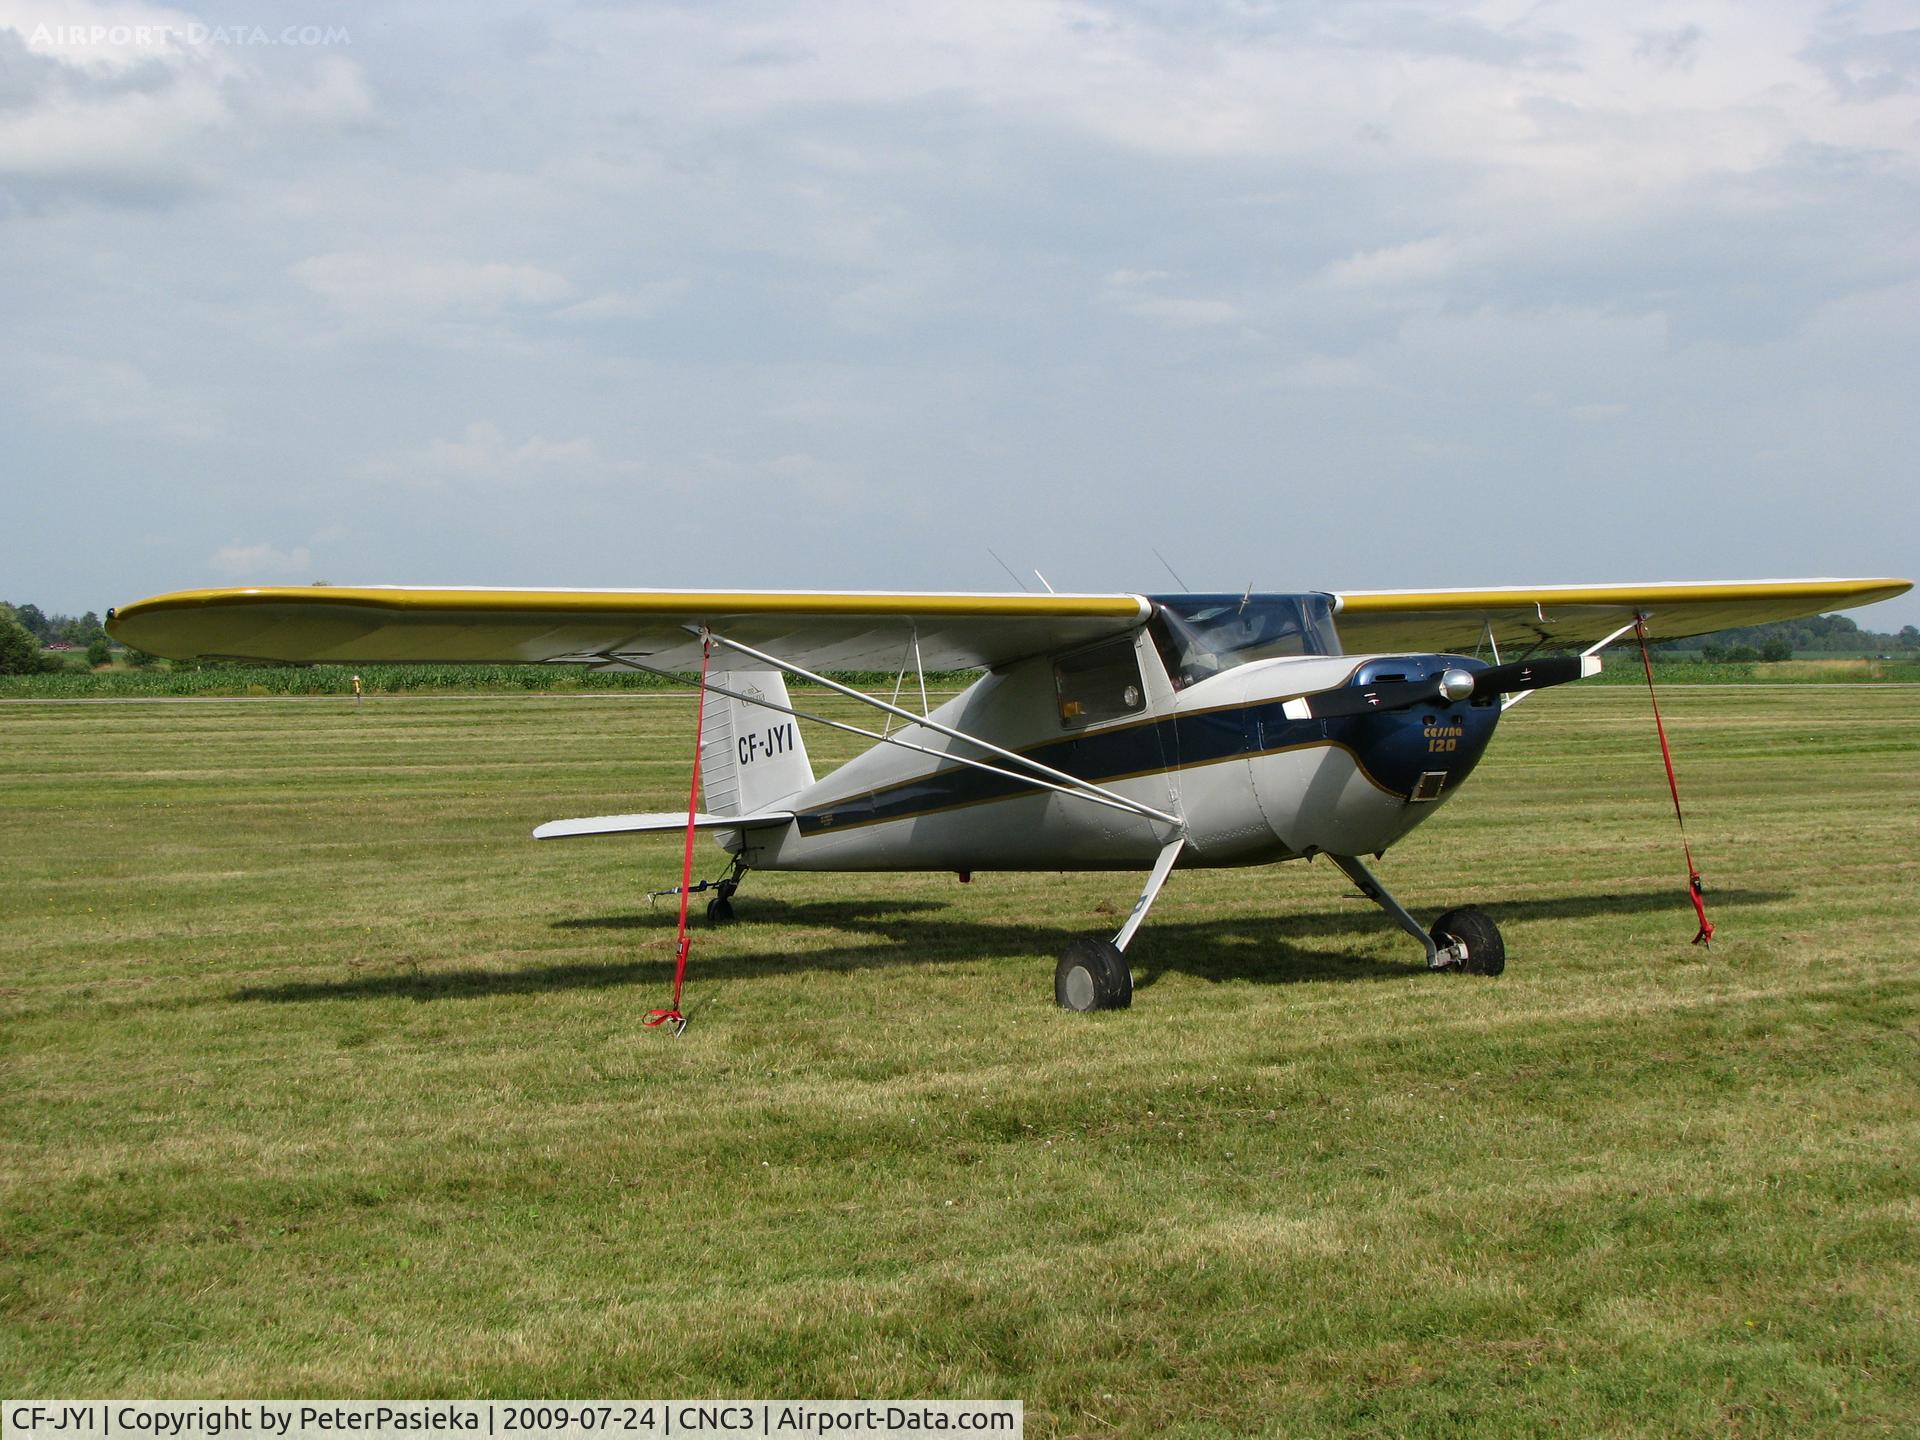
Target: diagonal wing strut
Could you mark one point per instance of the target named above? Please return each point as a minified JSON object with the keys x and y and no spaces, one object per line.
{"x":1040,"y":777}
{"x":1075,"y":784}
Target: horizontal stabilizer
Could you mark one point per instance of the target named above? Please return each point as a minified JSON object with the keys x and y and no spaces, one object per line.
{"x":657,"y":820}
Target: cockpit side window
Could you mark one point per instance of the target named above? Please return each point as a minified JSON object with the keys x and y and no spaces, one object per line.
{"x":1099,"y":683}
{"x":1183,"y":650}
{"x":1201,"y":635}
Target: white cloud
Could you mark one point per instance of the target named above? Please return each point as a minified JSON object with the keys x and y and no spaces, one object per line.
{"x":1677,"y":45}
{"x":78,"y":390}
{"x":333,"y":92}
{"x":1292,"y":82}
{"x":1324,"y":372}
{"x":639,"y":303}
{"x":484,"y":451}
{"x":1175,"y":310}
{"x":1136,"y":292}
{"x":261,"y":561}
{"x":1417,"y":262}
{"x":483,"y":456}
{"x":373,"y":287}
{"x":798,"y":483}
{"x":120,"y":99}
{"x":132,"y":136}
{"x":899,"y":289}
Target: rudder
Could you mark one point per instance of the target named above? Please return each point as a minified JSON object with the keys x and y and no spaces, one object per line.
{"x":751,"y":757}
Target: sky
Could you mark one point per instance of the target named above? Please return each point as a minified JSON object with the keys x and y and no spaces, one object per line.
{"x":861,"y":295}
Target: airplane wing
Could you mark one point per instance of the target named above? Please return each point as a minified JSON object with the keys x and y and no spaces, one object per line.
{"x":823,"y":630}
{"x":1578,"y":616}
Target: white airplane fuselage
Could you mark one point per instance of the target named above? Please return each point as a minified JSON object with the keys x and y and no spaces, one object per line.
{"x":1250,"y":782}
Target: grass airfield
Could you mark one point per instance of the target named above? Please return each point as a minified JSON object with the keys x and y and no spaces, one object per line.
{"x":320,"y":1077}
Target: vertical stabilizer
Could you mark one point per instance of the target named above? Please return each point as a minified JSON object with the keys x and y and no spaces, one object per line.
{"x":751,"y":758}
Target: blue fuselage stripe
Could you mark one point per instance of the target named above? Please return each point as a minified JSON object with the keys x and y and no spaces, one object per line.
{"x":1172,"y":743}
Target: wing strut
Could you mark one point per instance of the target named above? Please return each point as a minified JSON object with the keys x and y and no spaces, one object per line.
{"x":682,"y":944}
{"x":1507,"y":702}
{"x":900,"y":676}
{"x":1093,"y":794}
{"x":1696,"y":890}
{"x":1069,"y":784}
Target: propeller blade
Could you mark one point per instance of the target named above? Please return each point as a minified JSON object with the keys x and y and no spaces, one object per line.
{"x":1369,"y":699}
{"x":1451,"y":684}
{"x":1534,"y":674}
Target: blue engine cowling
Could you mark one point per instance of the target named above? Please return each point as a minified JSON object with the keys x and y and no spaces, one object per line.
{"x":1425,"y":750}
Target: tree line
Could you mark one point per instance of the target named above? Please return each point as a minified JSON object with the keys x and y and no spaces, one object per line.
{"x":81,"y":630}
{"x":1783,"y":639}
{"x":26,"y":631}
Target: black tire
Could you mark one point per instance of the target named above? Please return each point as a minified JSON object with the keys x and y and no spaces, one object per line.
{"x":720,"y":911}
{"x":1092,"y":975}
{"x":1473,"y":927}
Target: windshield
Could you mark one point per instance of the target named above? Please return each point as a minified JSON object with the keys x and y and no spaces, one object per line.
{"x":1201,"y":635}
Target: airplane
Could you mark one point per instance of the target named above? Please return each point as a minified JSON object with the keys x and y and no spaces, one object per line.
{"x":1107,"y":732}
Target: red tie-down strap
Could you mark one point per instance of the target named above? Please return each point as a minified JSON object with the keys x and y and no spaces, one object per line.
{"x":1696,"y":889}
{"x":682,"y":944}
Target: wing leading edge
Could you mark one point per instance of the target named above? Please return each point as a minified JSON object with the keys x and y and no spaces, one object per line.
{"x":831,"y":630}
{"x":1577,"y":616}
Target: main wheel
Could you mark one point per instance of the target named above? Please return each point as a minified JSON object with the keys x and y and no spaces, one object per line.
{"x":1093,"y":975}
{"x":720,"y":911}
{"x":1474,"y":928}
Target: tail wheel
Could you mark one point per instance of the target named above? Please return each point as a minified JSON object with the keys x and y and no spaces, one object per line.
{"x":1093,"y":975}
{"x":1474,"y":928}
{"x":720,"y":908}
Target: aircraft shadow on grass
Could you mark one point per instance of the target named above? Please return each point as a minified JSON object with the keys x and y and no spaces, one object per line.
{"x":1279,"y":949}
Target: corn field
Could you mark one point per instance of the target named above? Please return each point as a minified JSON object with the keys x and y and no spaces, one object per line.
{"x":243,"y":680}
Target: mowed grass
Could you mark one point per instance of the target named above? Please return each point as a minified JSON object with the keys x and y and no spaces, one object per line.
{"x":320,"y":1077}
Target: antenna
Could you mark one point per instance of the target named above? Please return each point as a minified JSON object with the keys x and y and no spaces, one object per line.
{"x":1244,"y":599}
{"x":1009,"y":569}
{"x":1170,"y":570}
{"x":1043,"y":580}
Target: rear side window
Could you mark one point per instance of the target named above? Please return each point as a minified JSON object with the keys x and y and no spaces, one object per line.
{"x":1101,"y":683}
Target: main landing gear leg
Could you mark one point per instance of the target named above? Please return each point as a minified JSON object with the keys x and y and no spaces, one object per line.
{"x":1465,"y":939}
{"x":1093,"y":973}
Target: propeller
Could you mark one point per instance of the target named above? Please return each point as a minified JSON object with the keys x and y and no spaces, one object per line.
{"x":1453,"y":684}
